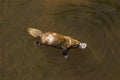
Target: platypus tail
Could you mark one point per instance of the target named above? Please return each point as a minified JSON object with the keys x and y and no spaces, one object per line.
{"x":35,"y":32}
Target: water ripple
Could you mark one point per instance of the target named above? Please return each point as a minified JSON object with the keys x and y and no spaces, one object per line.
{"x":98,"y":20}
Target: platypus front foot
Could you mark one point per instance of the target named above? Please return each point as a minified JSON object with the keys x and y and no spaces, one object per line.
{"x":65,"y":54}
{"x":38,"y":43}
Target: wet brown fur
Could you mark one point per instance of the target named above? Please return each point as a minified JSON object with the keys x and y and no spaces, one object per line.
{"x":54,"y":39}
{"x":59,"y":41}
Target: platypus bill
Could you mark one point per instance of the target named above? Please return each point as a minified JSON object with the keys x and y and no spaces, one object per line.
{"x":56,"y":40}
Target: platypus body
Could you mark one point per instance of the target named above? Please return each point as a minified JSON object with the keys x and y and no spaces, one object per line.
{"x":56,"y":40}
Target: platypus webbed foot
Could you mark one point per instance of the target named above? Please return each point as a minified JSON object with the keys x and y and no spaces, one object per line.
{"x":65,"y":54}
{"x":38,"y":43}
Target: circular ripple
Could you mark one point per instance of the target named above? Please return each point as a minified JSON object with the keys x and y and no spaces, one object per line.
{"x":93,"y":23}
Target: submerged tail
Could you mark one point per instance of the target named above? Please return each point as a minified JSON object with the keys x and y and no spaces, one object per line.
{"x":34,"y":32}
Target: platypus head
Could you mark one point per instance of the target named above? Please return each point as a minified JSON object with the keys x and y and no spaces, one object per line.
{"x":82,"y":45}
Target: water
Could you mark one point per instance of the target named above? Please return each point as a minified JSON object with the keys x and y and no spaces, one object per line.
{"x":93,"y":21}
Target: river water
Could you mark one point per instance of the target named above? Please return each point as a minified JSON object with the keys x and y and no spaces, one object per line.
{"x":95,"y":22}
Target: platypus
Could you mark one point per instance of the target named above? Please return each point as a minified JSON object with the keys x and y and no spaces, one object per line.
{"x":56,"y":40}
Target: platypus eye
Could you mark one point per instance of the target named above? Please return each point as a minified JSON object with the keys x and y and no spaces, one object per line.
{"x":75,"y":46}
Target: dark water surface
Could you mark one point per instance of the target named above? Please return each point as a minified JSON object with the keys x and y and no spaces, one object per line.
{"x":96,"y":22}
